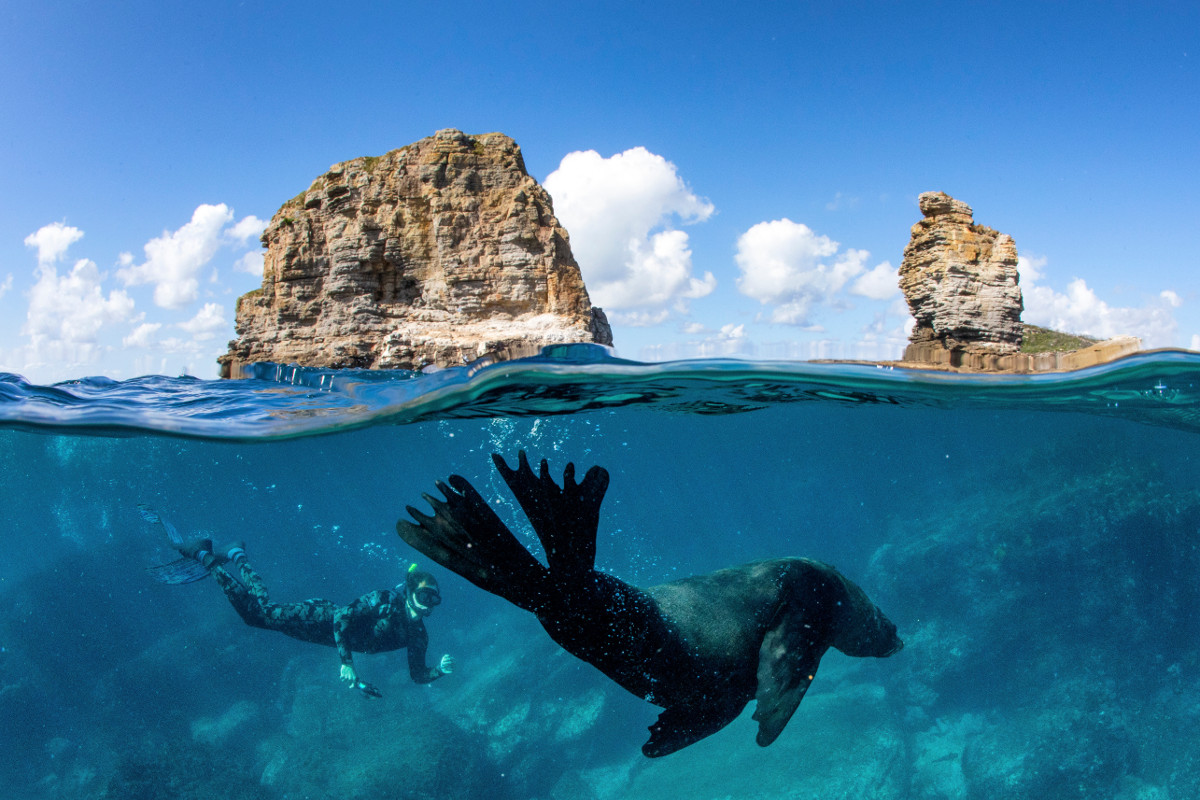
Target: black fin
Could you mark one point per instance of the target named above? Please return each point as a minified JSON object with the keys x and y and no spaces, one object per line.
{"x":183,"y":570}
{"x":680,"y":726}
{"x":465,"y":536}
{"x":566,"y":519}
{"x":787,"y":663}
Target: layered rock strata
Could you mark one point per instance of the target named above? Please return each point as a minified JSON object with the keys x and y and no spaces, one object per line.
{"x":434,"y":254}
{"x":960,"y":280}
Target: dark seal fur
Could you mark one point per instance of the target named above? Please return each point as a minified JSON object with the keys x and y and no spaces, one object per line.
{"x":701,"y":648}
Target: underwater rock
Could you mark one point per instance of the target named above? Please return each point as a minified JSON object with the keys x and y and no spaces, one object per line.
{"x":1064,"y":752}
{"x":1035,"y":588}
{"x":439,"y":253}
{"x":339,"y":745}
{"x":215,"y":730}
{"x":850,"y":746}
{"x":538,"y":733}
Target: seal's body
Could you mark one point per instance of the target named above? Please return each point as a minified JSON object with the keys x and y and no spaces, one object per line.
{"x":701,"y":647}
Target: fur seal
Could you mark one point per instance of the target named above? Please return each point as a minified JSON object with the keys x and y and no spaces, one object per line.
{"x":701,"y":647}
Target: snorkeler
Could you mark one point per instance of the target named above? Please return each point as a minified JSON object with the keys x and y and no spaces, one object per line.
{"x":378,"y":622}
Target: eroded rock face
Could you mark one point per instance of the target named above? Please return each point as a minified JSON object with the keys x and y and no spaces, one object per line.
{"x":960,"y":280}
{"x":437,"y":253}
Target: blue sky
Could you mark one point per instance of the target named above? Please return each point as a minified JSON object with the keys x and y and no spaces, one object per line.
{"x":738,"y":179}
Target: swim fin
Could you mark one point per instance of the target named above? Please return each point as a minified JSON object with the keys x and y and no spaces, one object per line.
{"x":183,"y":570}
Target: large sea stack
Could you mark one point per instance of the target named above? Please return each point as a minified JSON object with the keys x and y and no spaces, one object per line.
{"x":960,"y":280}
{"x":434,"y":254}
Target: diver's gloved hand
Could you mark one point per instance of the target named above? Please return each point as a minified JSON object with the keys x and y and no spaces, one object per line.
{"x":367,"y":689}
{"x":348,"y":674}
{"x":446,"y":665}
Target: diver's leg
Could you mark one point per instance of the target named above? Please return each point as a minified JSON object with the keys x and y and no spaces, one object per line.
{"x":249,"y":605}
{"x":250,"y":579}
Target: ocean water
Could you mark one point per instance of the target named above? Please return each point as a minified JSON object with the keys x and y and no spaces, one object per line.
{"x":1035,"y":538}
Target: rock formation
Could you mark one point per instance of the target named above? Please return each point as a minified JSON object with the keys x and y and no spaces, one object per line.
{"x":960,"y":280}
{"x":436,"y":253}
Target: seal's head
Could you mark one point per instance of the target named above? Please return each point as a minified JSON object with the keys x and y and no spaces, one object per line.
{"x":863,"y":629}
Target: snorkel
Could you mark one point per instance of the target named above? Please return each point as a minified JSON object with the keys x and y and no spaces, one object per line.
{"x":420,"y":593}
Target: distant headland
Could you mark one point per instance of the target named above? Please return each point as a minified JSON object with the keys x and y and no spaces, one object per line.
{"x":447,"y":250}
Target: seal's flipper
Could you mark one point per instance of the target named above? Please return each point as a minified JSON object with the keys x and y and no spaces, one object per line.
{"x":682,"y":725}
{"x":465,"y":536}
{"x":564,"y":519}
{"x":787,"y":663}
{"x":183,"y":570}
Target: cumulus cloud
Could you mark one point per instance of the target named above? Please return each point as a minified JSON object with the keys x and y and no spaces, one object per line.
{"x":245,"y":229}
{"x":787,"y":265}
{"x":52,"y":241}
{"x":880,"y":283}
{"x":882,"y":339}
{"x":4,"y":287}
{"x":65,"y":316}
{"x":619,"y":212}
{"x":730,"y":341}
{"x":1195,"y":344}
{"x":1080,"y":310}
{"x":206,"y":323}
{"x":173,"y":260}
{"x":638,"y":319}
{"x":250,"y":263}
{"x":142,"y":336}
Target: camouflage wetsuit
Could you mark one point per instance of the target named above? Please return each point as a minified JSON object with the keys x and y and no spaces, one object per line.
{"x":374,"y":623}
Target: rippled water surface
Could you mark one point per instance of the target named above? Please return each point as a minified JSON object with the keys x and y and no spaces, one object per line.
{"x":1036,"y":539}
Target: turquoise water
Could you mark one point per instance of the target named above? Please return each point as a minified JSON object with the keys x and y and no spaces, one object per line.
{"x":1034,"y":537}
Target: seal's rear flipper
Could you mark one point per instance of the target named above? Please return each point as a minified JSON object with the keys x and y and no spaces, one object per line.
{"x":787,"y":663}
{"x":565,"y":520}
{"x":682,"y":725}
{"x":465,"y":536}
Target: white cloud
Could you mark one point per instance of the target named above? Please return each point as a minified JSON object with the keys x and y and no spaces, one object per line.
{"x":638,"y":319}
{"x":174,"y":259}
{"x":250,"y":263}
{"x":52,"y":241}
{"x":732,"y":331}
{"x":206,"y":323}
{"x":613,"y":208}
{"x":1195,"y":345}
{"x":73,"y":308}
{"x":784,"y":263}
{"x":65,"y":316}
{"x":880,"y":283}
{"x":1029,"y":269}
{"x":142,"y":336}
{"x":1079,"y":310}
{"x":4,"y":287}
{"x":245,"y":229}
{"x":882,"y":340}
